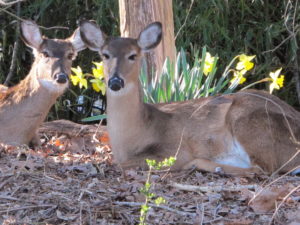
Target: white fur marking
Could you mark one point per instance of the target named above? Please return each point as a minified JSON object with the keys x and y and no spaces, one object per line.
{"x":123,"y":91}
{"x":53,"y":86}
{"x":236,"y":156}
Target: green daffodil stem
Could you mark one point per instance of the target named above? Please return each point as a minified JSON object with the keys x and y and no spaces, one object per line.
{"x":257,"y":82}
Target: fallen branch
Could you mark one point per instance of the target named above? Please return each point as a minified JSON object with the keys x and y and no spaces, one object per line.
{"x":139,"y":204}
{"x":217,"y":188}
{"x":10,"y":198}
{"x":70,"y":128}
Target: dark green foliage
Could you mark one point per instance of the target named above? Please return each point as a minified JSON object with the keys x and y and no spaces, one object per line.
{"x":267,"y":29}
{"x":256,"y":27}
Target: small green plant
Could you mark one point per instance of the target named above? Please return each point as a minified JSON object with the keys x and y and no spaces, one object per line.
{"x":146,"y":190}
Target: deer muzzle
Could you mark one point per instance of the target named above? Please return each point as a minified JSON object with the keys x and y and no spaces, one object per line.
{"x":61,"y":78}
{"x":115,"y":83}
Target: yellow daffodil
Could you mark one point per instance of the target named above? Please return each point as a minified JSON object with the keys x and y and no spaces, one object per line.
{"x":277,"y":80}
{"x":245,"y":62}
{"x":238,"y":75}
{"x":98,"y":85}
{"x":98,"y":72}
{"x":208,"y":63}
{"x":78,"y":78}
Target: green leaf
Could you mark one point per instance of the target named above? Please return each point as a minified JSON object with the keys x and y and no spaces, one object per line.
{"x":94,"y":118}
{"x":159,"y":201}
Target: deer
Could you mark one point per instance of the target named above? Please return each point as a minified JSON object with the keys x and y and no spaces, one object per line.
{"x":244,"y":133}
{"x":25,"y":106}
{"x":3,"y":88}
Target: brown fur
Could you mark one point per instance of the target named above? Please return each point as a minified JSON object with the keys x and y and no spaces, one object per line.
{"x":25,"y":106}
{"x":205,"y":132}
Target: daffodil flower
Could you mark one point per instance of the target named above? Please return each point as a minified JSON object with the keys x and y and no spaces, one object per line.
{"x":277,"y":80}
{"x":98,"y":85}
{"x":245,"y":62}
{"x":98,"y":72}
{"x":208,"y":63}
{"x":238,"y":75}
{"x":78,"y":78}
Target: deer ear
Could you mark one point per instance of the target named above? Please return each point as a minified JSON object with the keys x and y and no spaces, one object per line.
{"x":30,"y":33}
{"x":92,"y":35}
{"x":150,"y":37}
{"x":77,"y":41}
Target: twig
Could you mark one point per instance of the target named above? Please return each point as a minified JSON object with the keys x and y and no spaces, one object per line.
{"x":10,"y":3}
{"x":188,"y":13}
{"x":278,"y":46}
{"x":269,"y":184}
{"x":277,"y":105}
{"x":15,"y":51}
{"x":10,"y":198}
{"x":157,"y":206}
{"x":217,"y":188}
{"x":26,"y":207}
{"x":6,"y":181}
{"x":283,"y":200}
{"x":42,"y":27}
{"x":55,"y":27}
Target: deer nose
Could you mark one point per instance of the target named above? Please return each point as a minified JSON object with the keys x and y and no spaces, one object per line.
{"x":115,"y":83}
{"x":61,"y":78}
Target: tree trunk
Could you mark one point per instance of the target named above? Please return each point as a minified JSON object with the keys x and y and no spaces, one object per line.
{"x":135,"y":15}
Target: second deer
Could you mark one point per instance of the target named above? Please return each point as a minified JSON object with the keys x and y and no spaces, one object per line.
{"x":241,"y":133}
{"x":25,"y":106}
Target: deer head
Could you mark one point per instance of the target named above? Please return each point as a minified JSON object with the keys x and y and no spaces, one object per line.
{"x":121,"y":56}
{"x":53,"y":57}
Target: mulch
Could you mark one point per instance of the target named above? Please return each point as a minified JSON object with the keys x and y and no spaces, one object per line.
{"x":71,"y":179}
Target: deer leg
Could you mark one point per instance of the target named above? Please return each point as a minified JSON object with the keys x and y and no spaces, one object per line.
{"x":211,"y":166}
{"x":35,"y":141}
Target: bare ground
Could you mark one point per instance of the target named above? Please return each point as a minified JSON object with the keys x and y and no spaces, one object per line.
{"x":71,"y":180}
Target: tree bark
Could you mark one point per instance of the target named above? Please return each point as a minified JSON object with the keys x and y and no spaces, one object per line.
{"x":135,"y":15}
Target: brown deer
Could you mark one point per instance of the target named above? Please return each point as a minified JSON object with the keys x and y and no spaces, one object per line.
{"x":243,"y":133}
{"x":3,"y":88}
{"x":25,"y":106}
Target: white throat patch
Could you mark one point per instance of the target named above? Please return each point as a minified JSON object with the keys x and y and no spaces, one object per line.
{"x":123,"y":91}
{"x":53,"y":86}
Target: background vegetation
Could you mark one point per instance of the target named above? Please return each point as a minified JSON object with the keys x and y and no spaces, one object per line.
{"x":267,"y":29}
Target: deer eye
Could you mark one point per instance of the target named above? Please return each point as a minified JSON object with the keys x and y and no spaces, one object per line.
{"x":105,"y":56}
{"x":132,"y":57}
{"x":45,"y":54}
{"x":70,"y":56}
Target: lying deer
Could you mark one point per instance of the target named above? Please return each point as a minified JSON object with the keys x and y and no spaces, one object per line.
{"x":242,"y":133}
{"x":25,"y":106}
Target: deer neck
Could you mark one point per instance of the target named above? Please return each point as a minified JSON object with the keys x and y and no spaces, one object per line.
{"x":125,"y":107}
{"x":29,"y":98}
{"x":30,"y":87}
